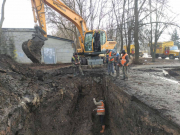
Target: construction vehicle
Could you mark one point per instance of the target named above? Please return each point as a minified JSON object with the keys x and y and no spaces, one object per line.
{"x":167,"y":49}
{"x":32,"y":48}
{"x":132,"y":49}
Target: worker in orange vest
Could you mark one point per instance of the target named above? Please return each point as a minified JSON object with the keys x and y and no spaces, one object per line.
{"x":101,"y":112}
{"x":110,"y":62}
{"x":124,"y":63}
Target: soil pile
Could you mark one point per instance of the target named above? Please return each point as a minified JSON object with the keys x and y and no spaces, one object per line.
{"x":32,"y":49}
{"x":48,"y":101}
{"x":45,"y":102}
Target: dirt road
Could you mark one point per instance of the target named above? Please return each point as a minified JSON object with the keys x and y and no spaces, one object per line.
{"x":148,"y":83}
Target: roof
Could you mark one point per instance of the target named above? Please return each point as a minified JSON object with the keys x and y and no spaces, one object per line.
{"x":33,"y":30}
{"x":58,"y":38}
{"x":19,"y":29}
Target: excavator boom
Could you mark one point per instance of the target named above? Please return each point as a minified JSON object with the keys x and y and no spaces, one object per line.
{"x":32,"y":48}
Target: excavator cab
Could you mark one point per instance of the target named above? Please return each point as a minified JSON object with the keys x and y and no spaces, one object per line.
{"x":90,"y":43}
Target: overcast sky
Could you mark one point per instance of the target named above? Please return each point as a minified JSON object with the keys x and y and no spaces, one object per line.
{"x":18,"y":14}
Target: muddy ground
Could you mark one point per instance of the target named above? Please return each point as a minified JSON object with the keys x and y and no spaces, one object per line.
{"x":49,"y":100}
{"x":159,"y":61}
{"x":157,"y":90}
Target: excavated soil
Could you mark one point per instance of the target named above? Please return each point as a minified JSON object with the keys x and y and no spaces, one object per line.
{"x":44,"y":100}
{"x":174,"y":72}
{"x":49,"y":100}
{"x":32,"y":50}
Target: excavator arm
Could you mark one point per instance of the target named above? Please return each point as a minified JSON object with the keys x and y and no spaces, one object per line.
{"x":32,"y":48}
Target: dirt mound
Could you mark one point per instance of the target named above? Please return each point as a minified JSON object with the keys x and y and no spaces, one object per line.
{"x":47,"y":102}
{"x":172,"y":73}
{"x":50,"y":102}
{"x":7,"y":64}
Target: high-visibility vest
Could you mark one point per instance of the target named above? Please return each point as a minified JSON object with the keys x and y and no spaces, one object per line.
{"x":101,"y":109}
{"x":107,"y":55}
{"x":124,"y":59}
{"x":75,"y":58}
{"x":110,"y":54}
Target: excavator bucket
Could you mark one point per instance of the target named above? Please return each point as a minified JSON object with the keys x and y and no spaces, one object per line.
{"x":32,"y":49}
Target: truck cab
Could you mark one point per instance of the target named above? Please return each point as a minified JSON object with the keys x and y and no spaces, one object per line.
{"x":167,"y":49}
{"x":173,"y":52}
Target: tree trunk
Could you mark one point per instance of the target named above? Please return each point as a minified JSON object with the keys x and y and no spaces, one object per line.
{"x":156,"y":36}
{"x":121,"y":37}
{"x":151,"y":46}
{"x":129,"y":41}
{"x":129,"y":25}
{"x":136,"y":32}
{"x":1,"y":21}
{"x":91,"y":11}
{"x":2,"y":14}
{"x":122,"y":25}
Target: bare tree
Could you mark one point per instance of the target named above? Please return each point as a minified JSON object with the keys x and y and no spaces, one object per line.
{"x":128,"y":21}
{"x":157,"y":26}
{"x":2,"y":38}
{"x":2,"y":13}
{"x":136,"y":31}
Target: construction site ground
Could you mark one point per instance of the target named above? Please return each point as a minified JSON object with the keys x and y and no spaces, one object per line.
{"x":48,"y":99}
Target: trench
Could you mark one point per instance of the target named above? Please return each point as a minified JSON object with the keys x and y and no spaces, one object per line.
{"x":125,"y":114}
{"x":85,"y":120}
{"x":72,"y":115}
{"x":64,"y":104}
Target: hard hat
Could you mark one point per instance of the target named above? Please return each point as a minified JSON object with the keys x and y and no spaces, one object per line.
{"x":113,"y":52}
{"x":123,"y":51}
{"x":101,"y":101}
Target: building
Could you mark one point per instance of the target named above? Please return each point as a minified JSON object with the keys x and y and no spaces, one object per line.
{"x":55,"y":49}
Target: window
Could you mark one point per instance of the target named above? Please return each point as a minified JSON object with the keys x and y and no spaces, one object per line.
{"x":88,"y":41}
{"x":174,"y":48}
{"x":102,"y":38}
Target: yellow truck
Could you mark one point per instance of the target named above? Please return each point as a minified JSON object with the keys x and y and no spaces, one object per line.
{"x":132,"y":50}
{"x":167,"y":49}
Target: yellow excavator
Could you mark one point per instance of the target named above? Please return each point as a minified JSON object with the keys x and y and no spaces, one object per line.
{"x":32,"y":47}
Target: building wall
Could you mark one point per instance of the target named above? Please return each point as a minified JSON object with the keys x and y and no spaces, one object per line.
{"x":63,"y":49}
{"x":13,"y":39}
{"x":18,"y":36}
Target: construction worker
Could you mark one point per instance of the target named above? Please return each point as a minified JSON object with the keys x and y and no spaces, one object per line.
{"x":124,"y":63}
{"x":110,"y":62}
{"x":76,"y":63}
{"x":101,"y":112}
{"x":96,"y":41}
{"x":107,"y":55}
{"x":116,"y":60}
